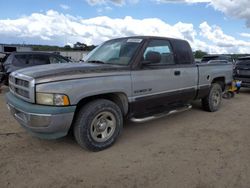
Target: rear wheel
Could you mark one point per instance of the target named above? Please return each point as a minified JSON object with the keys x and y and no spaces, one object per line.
{"x":212,"y":102}
{"x":98,"y":124}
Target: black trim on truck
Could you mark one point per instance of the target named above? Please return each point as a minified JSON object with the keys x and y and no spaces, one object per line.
{"x":203,"y":91}
{"x":151,"y":104}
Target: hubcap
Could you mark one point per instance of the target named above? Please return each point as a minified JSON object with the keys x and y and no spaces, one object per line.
{"x":216,"y":98}
{"x":103,"y":126}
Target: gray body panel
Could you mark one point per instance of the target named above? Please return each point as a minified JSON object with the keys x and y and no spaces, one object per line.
{"x":78,"y":89}
{"x":46,"y":122}
{"x":69,"y":71}
{"x":216,"y":70}
{"x":163,"y":80}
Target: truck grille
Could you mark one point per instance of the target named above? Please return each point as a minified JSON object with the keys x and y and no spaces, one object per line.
{"x":22,"y":86}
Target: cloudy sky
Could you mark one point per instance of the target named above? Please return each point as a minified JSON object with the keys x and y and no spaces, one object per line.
{"x":215,"y":26}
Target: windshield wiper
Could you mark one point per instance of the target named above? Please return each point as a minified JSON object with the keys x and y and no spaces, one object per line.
{"x":96,"y":61}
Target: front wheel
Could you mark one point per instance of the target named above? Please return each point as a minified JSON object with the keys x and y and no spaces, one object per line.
{"x":212,"y":102}
{"x":98,"y":124}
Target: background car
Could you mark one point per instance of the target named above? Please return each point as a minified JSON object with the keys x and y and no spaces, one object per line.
{"x":19,"y":60}
{"x":3,"y":56}
{"x":242,"y":71}
{"x":217,"y":58}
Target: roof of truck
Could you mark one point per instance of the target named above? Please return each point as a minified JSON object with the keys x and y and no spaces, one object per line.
{"x":149,"y":37}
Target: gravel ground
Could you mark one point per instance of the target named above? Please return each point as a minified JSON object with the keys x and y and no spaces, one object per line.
{"x":191,"y":149}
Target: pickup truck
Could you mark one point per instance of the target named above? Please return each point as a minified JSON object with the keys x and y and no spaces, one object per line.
{"x":242,"y":71}
{"x":137,"y":78}
{"x":217,"y":58}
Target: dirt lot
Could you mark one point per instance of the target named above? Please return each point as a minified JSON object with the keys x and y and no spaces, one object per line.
{"x":191,"y":149}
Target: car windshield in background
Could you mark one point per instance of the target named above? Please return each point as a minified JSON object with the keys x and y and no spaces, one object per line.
{"x":116,"y":52}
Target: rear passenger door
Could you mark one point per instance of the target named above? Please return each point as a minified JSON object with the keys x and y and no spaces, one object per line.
{"x":163,"y":84}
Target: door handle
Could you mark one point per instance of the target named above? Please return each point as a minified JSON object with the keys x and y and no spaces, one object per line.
{"x":177,"y":73}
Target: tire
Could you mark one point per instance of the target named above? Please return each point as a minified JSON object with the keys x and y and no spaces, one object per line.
{"x":98,"y":124}
{"x":212,"y":102}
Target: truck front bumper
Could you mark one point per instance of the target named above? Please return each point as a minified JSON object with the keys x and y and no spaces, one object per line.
{"x":48,"y":122}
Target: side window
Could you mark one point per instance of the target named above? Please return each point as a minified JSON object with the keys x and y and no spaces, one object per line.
{"x":20,"y":60}
{"x":40,"y":60}
{"x":162,"y":48}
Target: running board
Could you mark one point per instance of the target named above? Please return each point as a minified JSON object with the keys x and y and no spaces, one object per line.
{"x":157,"y":116}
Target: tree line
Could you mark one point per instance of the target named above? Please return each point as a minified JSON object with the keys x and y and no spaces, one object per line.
{"x":76,"y":47}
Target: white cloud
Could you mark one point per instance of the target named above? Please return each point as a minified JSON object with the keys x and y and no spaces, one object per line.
{"x":239,"y":9}
{"x":235,"y":8}
{"x":65,"y":7}
{"x":115,"y":2}
{"x":55,"y":28}
{"x":183,"y":1}
{"x":102,"y":2}
{"x":102,"y":10}
{"x":216,"y":36}
{"x":245,"y":35}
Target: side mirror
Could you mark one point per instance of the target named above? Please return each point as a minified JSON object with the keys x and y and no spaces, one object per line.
{"x":152,"y":57}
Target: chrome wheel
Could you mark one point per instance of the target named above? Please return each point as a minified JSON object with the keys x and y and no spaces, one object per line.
{"x":216,"y":98}
{"x":103,"y":126}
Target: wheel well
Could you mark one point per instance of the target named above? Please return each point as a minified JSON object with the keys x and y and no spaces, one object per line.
{"x":221,"y":81}
{"x":119,"y":99}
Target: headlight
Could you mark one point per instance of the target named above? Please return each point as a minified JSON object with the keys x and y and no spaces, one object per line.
{"x":52,"y":99}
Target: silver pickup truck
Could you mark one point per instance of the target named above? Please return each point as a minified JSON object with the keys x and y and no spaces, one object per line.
{"x":138,"y":78}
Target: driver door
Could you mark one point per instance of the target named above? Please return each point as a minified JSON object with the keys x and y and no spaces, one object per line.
{"x":161,"y":85}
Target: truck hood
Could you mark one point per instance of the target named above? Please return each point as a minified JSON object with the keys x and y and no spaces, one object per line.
{"x":67,"y":71}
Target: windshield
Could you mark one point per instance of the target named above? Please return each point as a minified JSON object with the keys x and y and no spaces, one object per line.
{"x":116,"y":52}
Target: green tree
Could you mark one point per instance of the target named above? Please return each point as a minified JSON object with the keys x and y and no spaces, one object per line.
{"x":199,"y":54}
{"x":67,"y":47}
